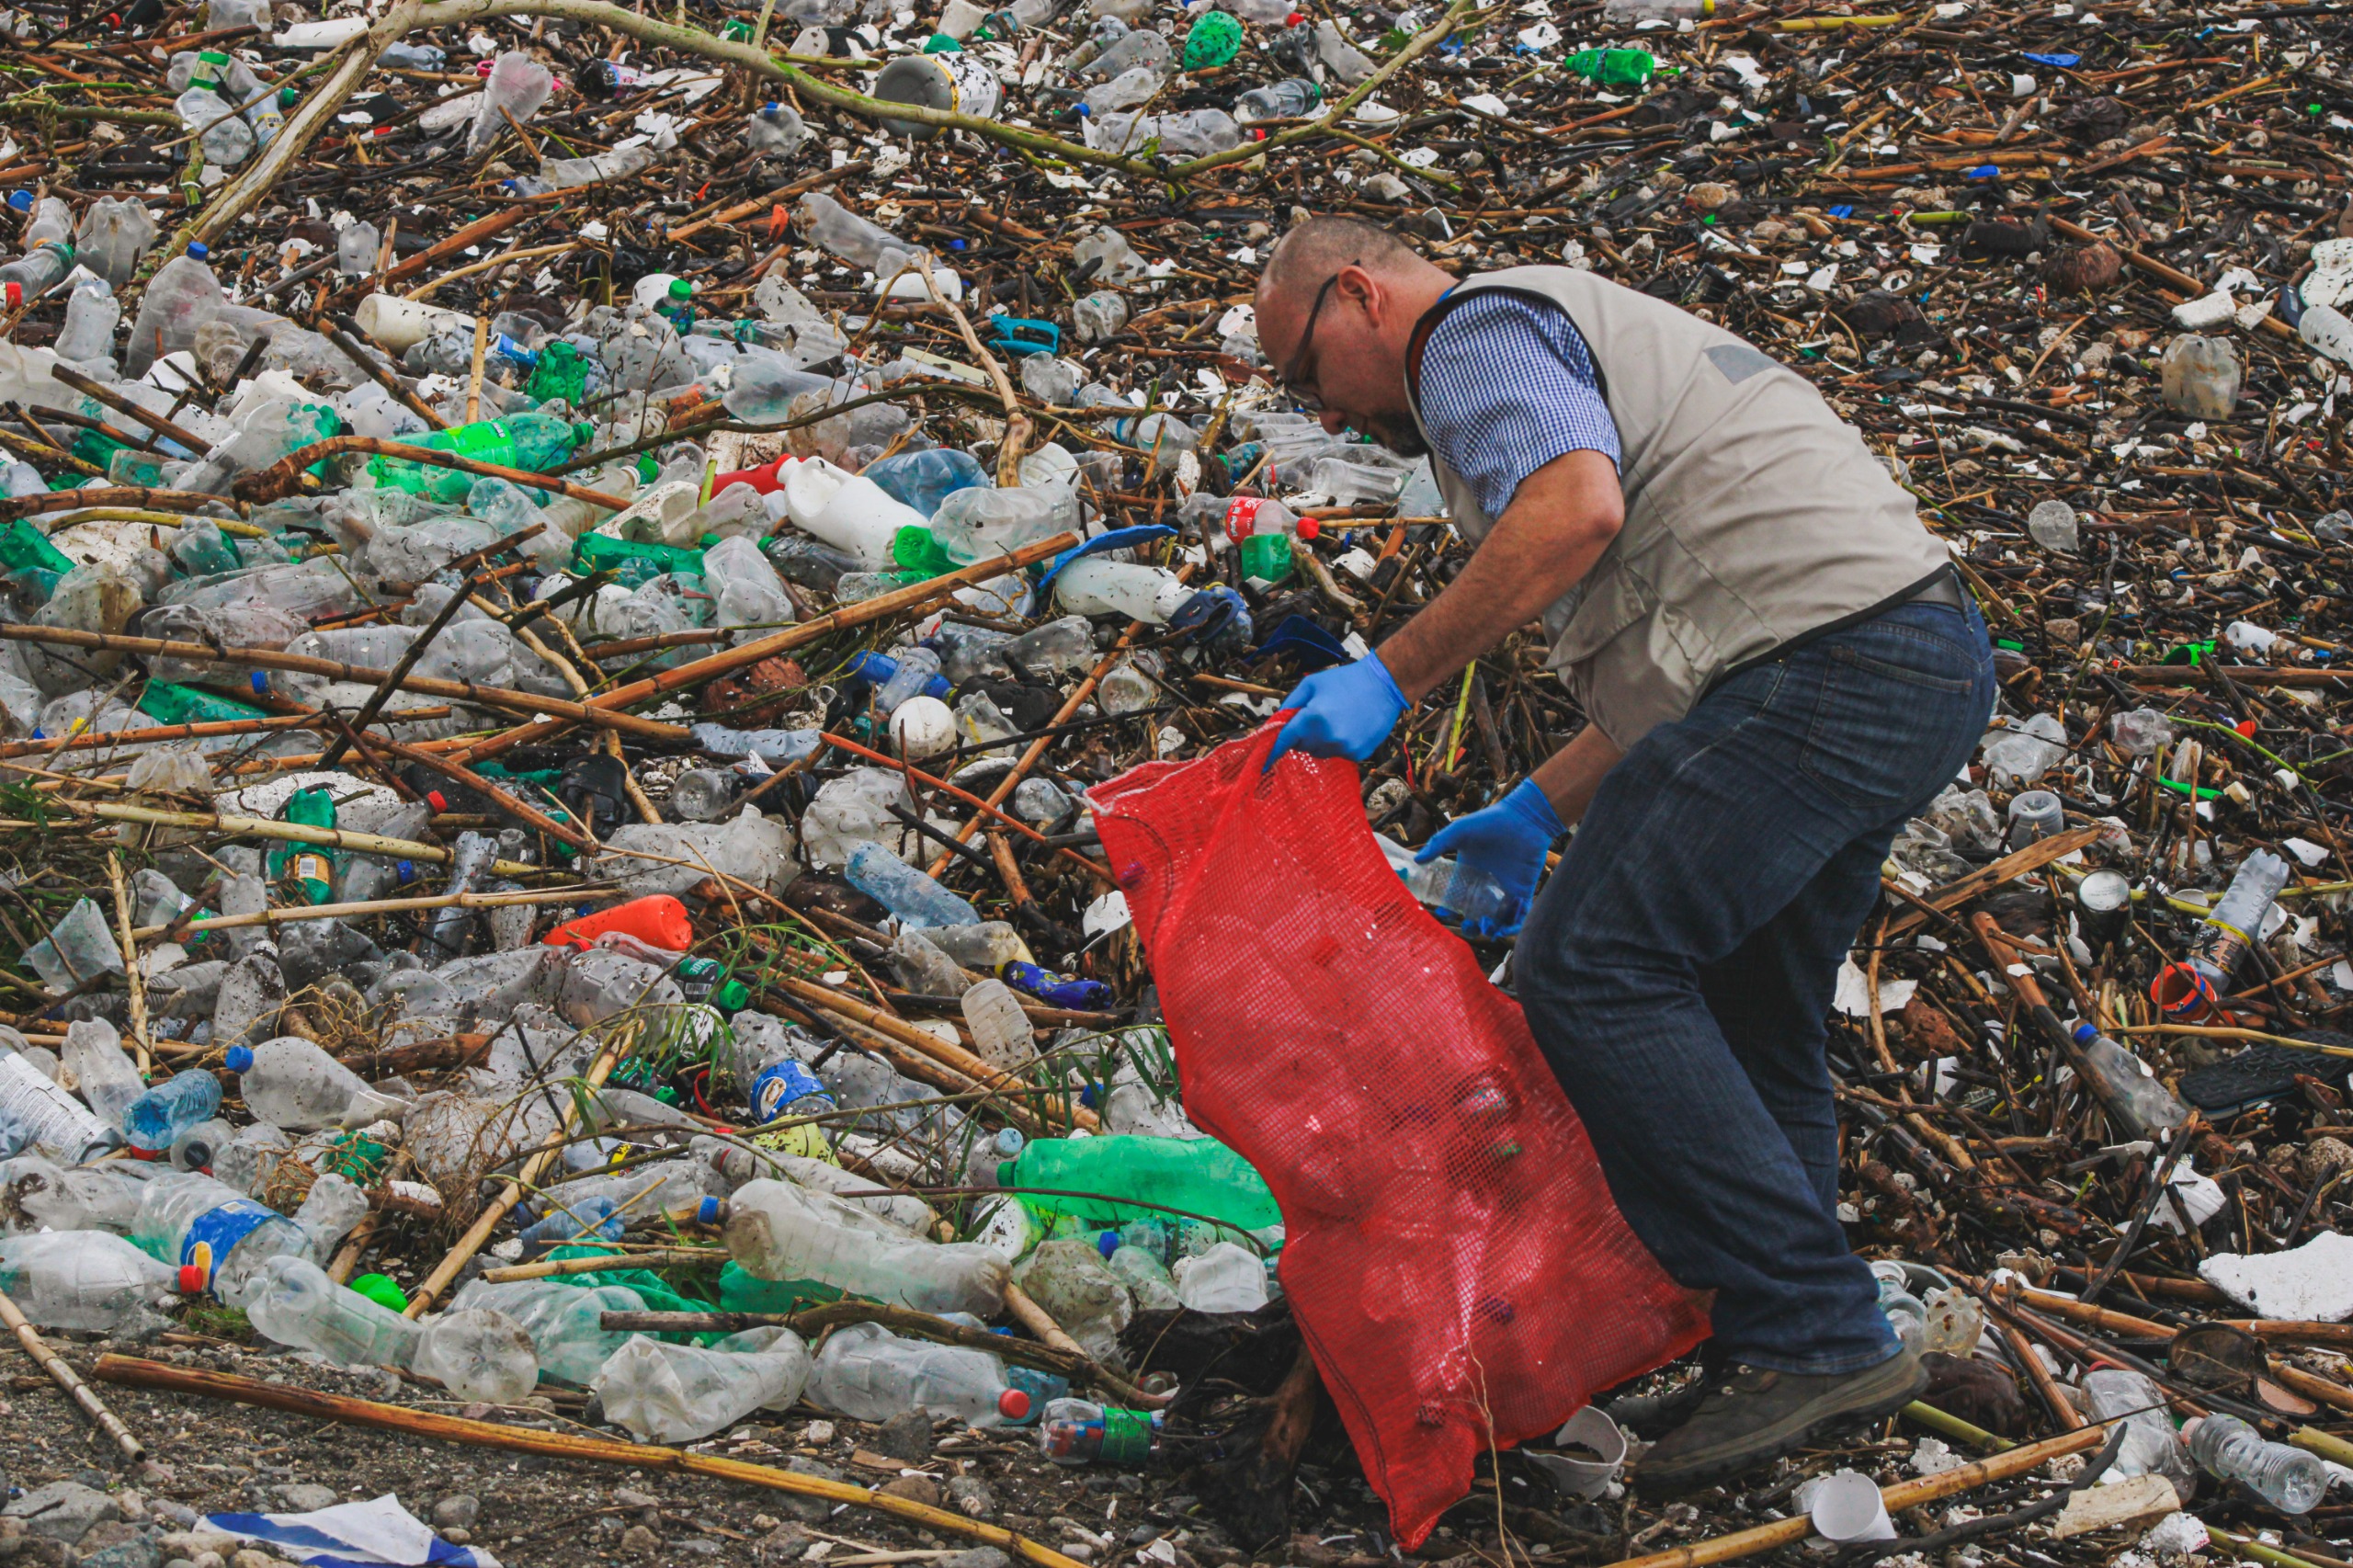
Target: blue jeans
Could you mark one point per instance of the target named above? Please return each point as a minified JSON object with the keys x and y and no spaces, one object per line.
{"x":1678,"y":969}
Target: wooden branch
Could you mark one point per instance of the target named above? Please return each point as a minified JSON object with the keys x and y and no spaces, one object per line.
{"x":132,"y":1372}
{"x":65,"y":1378}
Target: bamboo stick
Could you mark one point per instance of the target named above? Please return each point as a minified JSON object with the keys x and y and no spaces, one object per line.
{"x":291,"y":831}
{"x":132,"y":1372}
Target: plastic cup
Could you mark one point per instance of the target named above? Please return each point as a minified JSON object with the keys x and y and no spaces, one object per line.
{"x":1588,"y":1428}
{"x":1846,"y":1506}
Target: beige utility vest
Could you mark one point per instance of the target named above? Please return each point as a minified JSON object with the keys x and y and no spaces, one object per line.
{"x":1754,"y":516}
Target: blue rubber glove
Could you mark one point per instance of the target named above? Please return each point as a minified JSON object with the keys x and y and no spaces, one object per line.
{"x":1507,"y":841}
{"x":1346,"y":710}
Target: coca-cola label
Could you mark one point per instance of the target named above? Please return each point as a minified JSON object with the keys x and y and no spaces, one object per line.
{"x":1242,"y":516}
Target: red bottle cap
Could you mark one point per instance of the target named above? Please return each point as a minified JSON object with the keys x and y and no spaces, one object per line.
{"x":194,"y":1277}
{"x":436,"y":799}
{"x":2248,"y":727}
{"x":1310,"y":528}
{"x":1013,"y":1404}
{"x":764,"y":479}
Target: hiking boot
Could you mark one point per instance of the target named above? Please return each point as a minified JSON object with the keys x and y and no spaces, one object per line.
{"x":1651,"y":1416}
{"x":1759,"y":1415}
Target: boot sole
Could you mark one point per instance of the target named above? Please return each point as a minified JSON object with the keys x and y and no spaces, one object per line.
{"x":1862,"y":1402}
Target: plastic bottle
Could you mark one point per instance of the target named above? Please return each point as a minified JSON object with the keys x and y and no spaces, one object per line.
{"x":1461,"y":890}
{"x":923,"y":480}
{"x":2138,"y":1103}
{"x":1341,"y":58}
{"x":904,"y":891}
{"x":206,"y":110}
{"x":94,"y":1055}
{"x":293,"y":1083}
{"x":357,"y":246}
{"x":535,"y":441}
{"x":848,"y":511}
{"x":2054,"y":526}
{"x":152,"y":1123}
{"x":2188,"y":990}
{"x":1128,"y":49}
{"x":563,"y":174}
{"x":833,"y":228}
{"x":1187,"y":133}
{"x":92,"y":313}
{"x":1055,"y":648}
{"x":218,"y":1238}
{"x":310,"y":868}
{"x":1285,"y":99}
{"x":2325,"y":331}
{"x":1955,"y":1320}
{"x":1079,"y":1431}
{"x":114,"y":233}
{"x":478,"y":1354}
{"x":868,"y":1373}
{"x":676,"y":1393}
{"x":916,"y":673}
{"x":2113,"y":1394}
{"x":518,"y":86}
{"x":783,"y":1088}
{"x":1002,"y":1035}
{"x":1625,"y":12}
{"x":2289,"y":1479}
{"x":2200,"y":377}
{"x":562,"y":1320}
{"x":1225,"y":1277}
{"x":1092,"y":585}
{"x":779,"y":1231}
{"x":86,"y":1279}
{"x":195,"y":1147}
{"x":37,"y":1115}
{"x":1198,"y":1176}
{"x":1612,"y":67}
{"x":775,"y":131}
{"x":48,"y":251}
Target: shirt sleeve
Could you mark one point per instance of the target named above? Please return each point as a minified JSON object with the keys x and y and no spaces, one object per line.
{"x":1506,"y":385}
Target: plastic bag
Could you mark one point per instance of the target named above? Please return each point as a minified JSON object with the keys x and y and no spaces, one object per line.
{"x":1452,"y":1254}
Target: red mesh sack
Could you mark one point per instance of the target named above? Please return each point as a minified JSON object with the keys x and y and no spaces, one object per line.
{"x":1453,"y":1256}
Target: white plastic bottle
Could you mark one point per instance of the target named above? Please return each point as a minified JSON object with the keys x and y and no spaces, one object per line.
{"x":848,"y":511}
{"x":868,"y":1373}
{"x":1094,"y":586}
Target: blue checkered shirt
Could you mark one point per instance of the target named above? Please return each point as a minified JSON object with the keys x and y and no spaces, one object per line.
{"x":1506,"y":385}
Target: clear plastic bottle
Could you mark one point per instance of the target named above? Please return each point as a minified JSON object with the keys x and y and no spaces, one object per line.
{"x":868,"y":1373}
{"x":706,"y":794}
{"x":1628,"y":13}
{"x":778,"y":1230}
{"x":2237,"y":918}
{"x":1055,"y":648}
{"x":975,"y":523}
{"x":1131,"y":49}
{"x":356,"y":246}
{"x":110,"y":1081}
{"x":916,"y":672}
{"x":2054,"y":526}
{"x":1341,"y":58}
{"x":518,"y":86}
{"x":41,"y":1195}
{"x":1079,"y":1431}
{"x":833,"y":228}
{"x":1092,"y":585}
{"x":562,"y":1320}
{"x":1955,"y":1320}
{"x":1287,"y":99}
{"x":196,"y":1147}
{"x":1130,"y":88}
{"x":2200,"y":377}
{"x":1351,"y":483}
{"x":2114,"y":1393}
{"x":181,"y":297}
{"x":563,"y":174}
{"x":216,"y":1237}
{"x":153,"y":1122}
{"x":1187,"y":133}
{"x":114,"y":233}
{"x":2289,"y":1479}
{"x":92,"y":313}
{"x":476,"y":1353}
{"x":677,"y":1394}
{"x":2034,"y":814}
{"x":1461,"y":890}
{"x":904,"y":890}
{"x":292,"y":1082}
{"x":1002,"y":1035}
{"x":38,"y":1116}
{"x":86,"y":1279}
{"x":1097,"y":317}
{"x":775,"y":131}
{"x":49,"y":250}
{"x":205,"y":109}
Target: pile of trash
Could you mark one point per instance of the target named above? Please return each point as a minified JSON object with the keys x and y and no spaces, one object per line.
{"x":569,"y":577}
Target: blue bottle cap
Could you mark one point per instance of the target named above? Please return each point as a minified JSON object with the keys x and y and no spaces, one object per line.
{"x":240,"y":1059}
{"x":406,"y":870}
{"x":22,"y":200}
{"x":260,"y":679}
{"x":1107,"y":1242}
{"x":2084,"y":1032}
{"x":707,"y":1211}
{"x":198,"y":249}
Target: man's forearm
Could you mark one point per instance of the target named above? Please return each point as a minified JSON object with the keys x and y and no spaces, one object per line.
{"x":1558,"y":525}
{"x":1570,"y":777}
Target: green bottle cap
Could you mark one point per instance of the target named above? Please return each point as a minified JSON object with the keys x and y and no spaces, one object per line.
{"x":584,"y":431}
{"x":380,"y":1289}
{"x":1214,"y":40}
{"x":681,"y":290}
{"x":940,"y":43}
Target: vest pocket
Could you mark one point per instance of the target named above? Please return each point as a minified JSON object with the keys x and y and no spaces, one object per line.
{"x":1612,"y":599}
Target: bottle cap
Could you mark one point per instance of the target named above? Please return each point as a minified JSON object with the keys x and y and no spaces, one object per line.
{"x":707,"y":1212}
{"x":1310,"y":528}
{"x":136,"y":1153}
{"x":194,"y":1277}
{"x":22,"y":200}
{"x":584,"y":431}
{"x":1013,"y":1404}
{"x":198,"y":250}
{"x":240,"y":1059}
{"x":681,"y":290}
{"x":1107,"y":1242}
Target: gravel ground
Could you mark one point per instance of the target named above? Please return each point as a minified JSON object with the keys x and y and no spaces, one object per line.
{"x":211,"y":1456}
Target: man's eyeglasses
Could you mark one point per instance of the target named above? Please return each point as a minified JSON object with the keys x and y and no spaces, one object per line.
{"x":1310,"y":398}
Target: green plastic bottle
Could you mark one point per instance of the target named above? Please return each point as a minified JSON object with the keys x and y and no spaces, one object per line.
{"x":562,"y":372}
{"x":1613,"y":67}
{"x":633,"y":560}
{"x":1213,"y":41}
{"x":308,"y":865}
{"x":681,"y":306}
{"x":169,"y":704}
{"x":534,"y":442}
{"x":1197,"y":1176}
{"x":1267,"y":559}
{"x":24,"y":547}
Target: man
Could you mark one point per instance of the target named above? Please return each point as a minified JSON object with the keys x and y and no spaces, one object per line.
{"x":1779,"y":668}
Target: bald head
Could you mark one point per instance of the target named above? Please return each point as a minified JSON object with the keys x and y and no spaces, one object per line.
{"x":1336,"y":307}
{"x":1316,"y":249}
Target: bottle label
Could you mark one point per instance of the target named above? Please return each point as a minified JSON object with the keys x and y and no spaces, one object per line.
{"x":60,"y":1125}
{"x":781,"y":1085}
{"x":216,"y":1233}
{"x":1242,"y":516}
{"x":1126,"y":1437}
